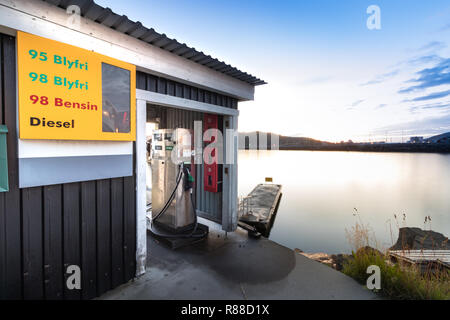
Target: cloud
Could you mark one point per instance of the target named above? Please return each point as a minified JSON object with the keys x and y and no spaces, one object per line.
{"x":425,"y":59}
{"x":430,"y":77}
{"x":446,"y":27}
{"x":355,"y":104}
{"x":434,"y":46}
{"x":380,"y":106}
{"x":435,"y":106}
{"x":382,"y":77}
{"x":431,"y":96}
{"x":425,"y":126}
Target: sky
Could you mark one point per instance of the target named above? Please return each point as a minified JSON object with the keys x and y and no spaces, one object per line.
{"x":329,"y":76}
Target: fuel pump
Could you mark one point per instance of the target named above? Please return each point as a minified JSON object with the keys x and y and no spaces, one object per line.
{"x":173,"y":205}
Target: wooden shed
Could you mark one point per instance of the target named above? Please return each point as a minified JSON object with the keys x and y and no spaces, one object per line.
{"x":79,"y":199}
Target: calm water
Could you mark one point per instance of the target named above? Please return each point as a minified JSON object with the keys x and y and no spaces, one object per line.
{"x":320,"y":190}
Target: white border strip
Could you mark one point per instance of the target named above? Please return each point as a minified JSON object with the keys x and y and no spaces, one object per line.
{"x":141,"y":186}
{"x":34,"y":172}
{"x":181,"y":103}
{"x":68,"y":148}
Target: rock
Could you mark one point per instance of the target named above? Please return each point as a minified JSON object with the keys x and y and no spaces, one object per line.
{"x":368,"y":251}
{"x":336,"y":261}
{"x":319,"y":257}
{"x":417,"y":239}
{"x":339,"y":260}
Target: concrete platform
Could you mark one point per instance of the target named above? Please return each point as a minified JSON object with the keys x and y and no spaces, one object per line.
{"x":236,"y":267}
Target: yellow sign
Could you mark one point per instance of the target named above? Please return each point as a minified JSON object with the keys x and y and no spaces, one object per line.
{"x":69,"y":93}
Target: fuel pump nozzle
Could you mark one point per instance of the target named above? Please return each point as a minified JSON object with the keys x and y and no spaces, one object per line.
{"x":188,"y":179}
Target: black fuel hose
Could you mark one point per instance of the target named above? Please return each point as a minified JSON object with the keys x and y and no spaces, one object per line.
{"x":166,"y":206}
{"x":169,"y":201}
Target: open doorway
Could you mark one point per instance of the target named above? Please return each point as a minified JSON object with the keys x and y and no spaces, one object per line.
{"x":171,"y":176}
{"x":217,"y":210}
{"x":208,"y":204}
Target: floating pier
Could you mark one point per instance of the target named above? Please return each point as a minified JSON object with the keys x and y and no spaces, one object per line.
{"x":259,"y":208}
{"x":423,"y":257}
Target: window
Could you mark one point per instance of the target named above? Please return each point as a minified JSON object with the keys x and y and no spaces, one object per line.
{"x":116,"y":99}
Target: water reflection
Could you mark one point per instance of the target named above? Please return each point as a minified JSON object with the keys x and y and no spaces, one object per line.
{"x":320,"y":190}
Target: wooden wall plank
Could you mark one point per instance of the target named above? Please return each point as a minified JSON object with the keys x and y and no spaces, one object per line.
{"x":88,"y":240}
{"x":2,"y":246}
{"x":2,"y":109}
{"x":170,"y":88}
{"x":12,"y":198}
{"x":187,"y":92}
{"x":2,"y":195}
{"x":129,"y":228}
{"x":117,"y":273}
{"x":194,"y":94}
{"x":207,"y":96}
{"x":213,"y":98}
{"x":103,"y":236}
{"x":152,"y":83}
{"x":53,"y":243}
{"x":201,"y":95}
{"x":32,"y":246}
{"x":71,"y":234}
{"x":141,"y":81}
{"x":179,"y":90}
{"x":162,"y":86}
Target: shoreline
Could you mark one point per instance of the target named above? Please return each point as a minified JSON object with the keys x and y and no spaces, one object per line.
{"x":410,"y":238}
{"x":335,"y":261}
{"x":381,"y":148}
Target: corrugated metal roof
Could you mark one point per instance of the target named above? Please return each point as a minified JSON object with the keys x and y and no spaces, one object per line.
{"x":121,"y":23}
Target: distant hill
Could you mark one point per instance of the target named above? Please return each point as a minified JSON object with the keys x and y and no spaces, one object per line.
{"x":249,"y":140}
{"x":441,"y":138}
{"x":269,"y":141}
{"x":301,"y":141}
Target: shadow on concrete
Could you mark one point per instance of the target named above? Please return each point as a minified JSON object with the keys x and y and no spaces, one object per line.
{"x":235,"y":266}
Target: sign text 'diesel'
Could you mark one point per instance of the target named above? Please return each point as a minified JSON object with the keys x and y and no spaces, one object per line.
{"x":69,"y":93}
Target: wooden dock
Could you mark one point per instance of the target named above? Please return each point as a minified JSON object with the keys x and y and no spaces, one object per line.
{"x":259,"y":208}
{"x":422,"y":257}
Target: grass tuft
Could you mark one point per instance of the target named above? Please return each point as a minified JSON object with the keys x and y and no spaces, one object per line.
{"x":398,"y":281}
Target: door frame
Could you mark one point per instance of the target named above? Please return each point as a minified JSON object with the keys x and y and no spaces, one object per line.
{"x":229,"y":189}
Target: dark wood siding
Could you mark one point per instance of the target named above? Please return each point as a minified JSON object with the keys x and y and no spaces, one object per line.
{"x":71,"y":232}
{"x":11,"y":284}
{"x":53,"y":266}
{"x":161,"y":85}
{"x":129,"y":228}
{"x":45,"y":229}
{"x":117,"y":268}
{"x":88,"y":238}
{"x":103,"y":236}
{"x":32,"y":244}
